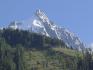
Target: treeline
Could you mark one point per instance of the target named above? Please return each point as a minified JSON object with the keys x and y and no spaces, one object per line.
{"x":10,"y":58}
{"x":29,"y":39}
{"x":87,"y":62}
{"x":23,"y":50}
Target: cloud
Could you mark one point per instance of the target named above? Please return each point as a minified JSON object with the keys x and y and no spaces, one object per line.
{"x":91,"y":46}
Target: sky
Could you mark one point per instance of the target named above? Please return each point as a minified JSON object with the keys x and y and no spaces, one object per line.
{"x":76,"y":15}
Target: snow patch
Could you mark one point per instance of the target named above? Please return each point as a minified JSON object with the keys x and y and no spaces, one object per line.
{"x":37,"y":23}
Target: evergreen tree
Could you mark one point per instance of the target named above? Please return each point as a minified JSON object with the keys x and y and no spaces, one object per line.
{"x":19,"y":58}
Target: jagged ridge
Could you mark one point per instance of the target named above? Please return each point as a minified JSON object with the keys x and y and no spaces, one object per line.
{"x":42,"y":25}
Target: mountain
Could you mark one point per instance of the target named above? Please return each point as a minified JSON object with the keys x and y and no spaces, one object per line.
{"x":24,"y":50}
{"x":41,"y":24}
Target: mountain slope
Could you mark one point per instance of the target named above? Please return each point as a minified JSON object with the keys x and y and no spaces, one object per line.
{"x":23,"y":50}
{"x":42,"y":25}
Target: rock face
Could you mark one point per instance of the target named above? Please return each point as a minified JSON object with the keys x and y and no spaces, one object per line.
{"x":42,"y":25}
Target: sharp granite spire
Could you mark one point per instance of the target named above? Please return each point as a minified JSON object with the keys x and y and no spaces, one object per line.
{"x":42,"y":16}
{"x":43,"y":25}
{"x":48,"y":28}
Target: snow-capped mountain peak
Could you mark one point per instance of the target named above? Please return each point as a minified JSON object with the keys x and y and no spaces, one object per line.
{"x":54,"y":31}
{"x":43,"y":25}
{"x":42,"y":16}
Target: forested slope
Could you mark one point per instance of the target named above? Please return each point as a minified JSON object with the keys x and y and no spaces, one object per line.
{"x":23,"y":50}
